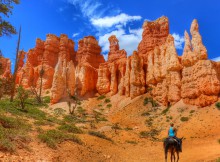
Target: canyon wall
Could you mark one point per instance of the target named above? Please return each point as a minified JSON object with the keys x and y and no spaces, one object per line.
{"x":155,"y":67}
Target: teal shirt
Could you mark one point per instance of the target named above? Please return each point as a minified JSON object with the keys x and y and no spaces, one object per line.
{"x":171,"y":132}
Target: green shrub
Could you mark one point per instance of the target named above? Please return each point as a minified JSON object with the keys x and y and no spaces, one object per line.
{"x":192,"y":111}
{"x":46,"y":99}
{"x":59,"y":111}
{"x":100,"y":135}
{"x":217,"y":105}
{"x":70,"y":128}
{"x":183,"y":119}
{"x":146,"y":100}
{"x":107,"y":100}
{"x":218,"y":160}
{"x":53,"y":137}
{"x":165,"y":110}
{"x":109,"y":106}
{"x":101,"y":97}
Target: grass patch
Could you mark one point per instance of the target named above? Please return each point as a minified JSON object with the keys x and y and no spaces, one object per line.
{"x":183,"y":119}
{"x":217,"y":105}
{"x":100,"y":135}
{"x":152,"y":133}
{"x":101,"y":97}
{"x":46,"y":99}
{"x":218,"y":160}
{"x":70,"y":128}
{"x":54,"y":137}
{"x":13,"y":133}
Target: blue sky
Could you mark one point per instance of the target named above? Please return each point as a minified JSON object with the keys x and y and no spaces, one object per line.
{"x":101,"y":18}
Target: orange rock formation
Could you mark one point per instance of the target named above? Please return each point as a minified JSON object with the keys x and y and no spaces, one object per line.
{"x":154,"y":66}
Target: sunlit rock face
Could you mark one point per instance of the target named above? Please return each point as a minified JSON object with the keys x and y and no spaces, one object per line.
{"x":155,"y":67}
{"x":5,"y":68}
{"x":200,"y":77}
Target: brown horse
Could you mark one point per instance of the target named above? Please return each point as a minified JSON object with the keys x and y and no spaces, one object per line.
{"x":171,"y":145}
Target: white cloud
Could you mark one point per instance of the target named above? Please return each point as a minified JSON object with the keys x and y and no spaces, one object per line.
{"x":128,"y":41}
{"x":89,"y":8}
{"x":216,"y":59}
{"x":178,"y":40}
{"x":114,"y":20}
{"x":75,"y":35}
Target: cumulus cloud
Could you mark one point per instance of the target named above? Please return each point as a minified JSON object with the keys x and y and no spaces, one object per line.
{"x":216,"y":59}
{"x":128,"y":41}
{"x":178,"y":40}
{"x":114,"y":20}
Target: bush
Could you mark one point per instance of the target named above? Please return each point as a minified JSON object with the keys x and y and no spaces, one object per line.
{"x":59,"y":111}
{"x":70,"y":128}
{"x":165,"y":110}
{"x":52,"y":137}
{"x":217,"y":105}
{"x":152,"y":133}
{"x":101,"y":97}
{"x":183,"y":119}
{"x":107,"y":100}
{"x":100,"y":135}
{"x":109,"y":106}
{"x":46,"y":99}
{"x":192,"y":111}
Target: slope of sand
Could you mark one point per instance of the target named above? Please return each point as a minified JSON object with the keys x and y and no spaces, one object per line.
{"x":201,"y":134}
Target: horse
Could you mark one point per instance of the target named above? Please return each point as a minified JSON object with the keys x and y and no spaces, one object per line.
{"x":171,"y":145}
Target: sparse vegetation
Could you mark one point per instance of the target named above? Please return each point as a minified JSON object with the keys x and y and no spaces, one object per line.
{"x":101,"y":97}
{"x":165,"y":110}
{"x":145,"y":114}
{"x":128,"y":128}
{"x":70,"y":128}
{"x":152,"y":133}
{"x":217,"y":105}
{"x":22,"y":96}
{"x":53,"y":137}
{"x":192,"y":111}
{"x":100,"y":135}
{"x":13,"y":133}
{"x":59,"y":111}
{"x":183,"y":119}
{"x":107,"y":100}
{"x":109,"y":106}
{"x":150,"y":100}
{"x":132,"y":142}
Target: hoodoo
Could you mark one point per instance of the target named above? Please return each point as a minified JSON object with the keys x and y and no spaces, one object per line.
{"x":155,"y":65}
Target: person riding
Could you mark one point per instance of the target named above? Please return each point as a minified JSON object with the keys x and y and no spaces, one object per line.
{"x":172,"y":132}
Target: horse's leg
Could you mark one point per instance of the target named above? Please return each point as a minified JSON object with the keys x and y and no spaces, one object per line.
{"x":174,"y":158}
{"x":171,"y":155}
{"x":177,"y":156}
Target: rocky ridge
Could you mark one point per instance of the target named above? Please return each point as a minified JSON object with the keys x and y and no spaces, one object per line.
{"x":154,"y":67}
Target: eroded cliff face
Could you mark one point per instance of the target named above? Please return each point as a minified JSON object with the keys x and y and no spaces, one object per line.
{"x":200,"y":77}
{"x":5,"y":68}
{"x":154,"y":67}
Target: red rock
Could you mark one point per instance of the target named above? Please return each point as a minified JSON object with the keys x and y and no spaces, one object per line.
{"x":5,"y":64}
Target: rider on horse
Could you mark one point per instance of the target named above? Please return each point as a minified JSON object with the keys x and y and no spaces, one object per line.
{"x":172,"y":132}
